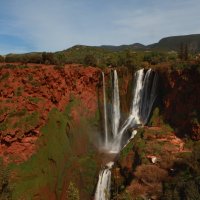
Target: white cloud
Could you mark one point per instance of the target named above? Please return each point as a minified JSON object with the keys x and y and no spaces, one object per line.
{"x":152,"y":23}
{"x":43,"y":23}
{"x":52,"y":25}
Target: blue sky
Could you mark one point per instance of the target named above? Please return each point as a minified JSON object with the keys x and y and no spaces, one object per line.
{"x":53,"y":25}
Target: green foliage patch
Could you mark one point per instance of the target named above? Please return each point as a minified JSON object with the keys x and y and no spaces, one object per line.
{"x":185,"y":183}
{"x":126,"y":150}
{"x":5,"y":190}
{"x":41,"y":169}
{"x":5,"y":76}
{"x":64,"y":153}
{"x":72,"y":192}
{"x":34,"y":99}
{"x":18,"y":91}
{"x":20,"y":119}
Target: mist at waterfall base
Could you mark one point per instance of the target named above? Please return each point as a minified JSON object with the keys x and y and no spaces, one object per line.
{"x":143,"y":98}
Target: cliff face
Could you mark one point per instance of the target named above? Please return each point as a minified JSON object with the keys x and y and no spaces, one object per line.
{"x":160,"y":162}
{"x":48,"y":112}
{"x":47,"y":115}
{"x":27,"y":94}
{"x":180,"y":93}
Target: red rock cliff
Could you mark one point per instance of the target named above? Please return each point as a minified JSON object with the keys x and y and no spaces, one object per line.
{"x":180,"y":91}
{"x":32,"y":92}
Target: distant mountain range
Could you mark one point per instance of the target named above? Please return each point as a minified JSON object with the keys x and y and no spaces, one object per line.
{"x":172,"y":43}
{"x":123,"y":47}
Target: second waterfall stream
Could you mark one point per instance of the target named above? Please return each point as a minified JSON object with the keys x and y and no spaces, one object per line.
{"x":143,"y":97}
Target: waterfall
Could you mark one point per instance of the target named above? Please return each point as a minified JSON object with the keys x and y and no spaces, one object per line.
{"x":137,"y":93}
{"x":144,"y":96}
{"x":104,"y":182}
{"x":134,"y":117}
{"x":149,"y":94}
{"x":105,"y":112}
{"x":116,"y":106}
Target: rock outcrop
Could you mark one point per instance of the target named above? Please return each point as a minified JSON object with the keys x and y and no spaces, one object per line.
{"x":180,"y":92}
{"x":28,"y":93}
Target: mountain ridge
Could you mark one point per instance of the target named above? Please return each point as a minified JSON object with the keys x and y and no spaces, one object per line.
{"x":166,"y":43}
{"x":171,"y":43}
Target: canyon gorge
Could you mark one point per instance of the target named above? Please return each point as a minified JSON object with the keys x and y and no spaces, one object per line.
{"x":63,"y":128}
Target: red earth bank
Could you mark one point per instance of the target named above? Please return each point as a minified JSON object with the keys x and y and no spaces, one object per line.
{"x":39,"y":88}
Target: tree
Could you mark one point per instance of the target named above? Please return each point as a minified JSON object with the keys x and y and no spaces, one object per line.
{"x":90,"y":60}
{"x":72,"y":192}
{"x":60,"y":58}
{"x":1,"y":59}
{"x":48,"y":58}
{"x":131,"y":60}
{"x":181,"y":52}
{"x":186,"y":52}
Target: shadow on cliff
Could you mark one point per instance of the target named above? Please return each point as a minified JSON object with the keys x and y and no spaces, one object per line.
{"x":179,"y":101}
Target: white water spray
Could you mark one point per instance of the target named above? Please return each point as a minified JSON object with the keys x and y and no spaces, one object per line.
{"x":149,"y":94}
{"x":134,"y":118}
{"x":144,"y":95}
{"x":139,"y":75}
{"x":105,"y":112}
{"x":116,"y":106}
{"x":104,"y":183}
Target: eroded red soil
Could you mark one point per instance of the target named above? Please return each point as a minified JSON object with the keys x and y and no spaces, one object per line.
{"x":35,"y":90}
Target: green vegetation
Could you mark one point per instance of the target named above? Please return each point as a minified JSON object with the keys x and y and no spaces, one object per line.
{"x":185,"y":182}
{"x":5,"y":190}
{"x":34,"y":99}
{"x":24,"y":58}
{"x":65,"y":154}
{"x":172,"y":177}
{"x":20,"y":119}
{"x":156,"y":57}
{"x":175,"y":42}
{"x":18,"y":91}
{"x":126,"y":150}
{"x":4,"y":76}
{"x":178,"y":50}
{"x":175,"y":175}
{"x":28,"y":122}
{"x":3,"y":110}
{"x":65,"y":150}
{"x":40,"y":170}
{"x":72,"y":192}
{"x":1,"y":59}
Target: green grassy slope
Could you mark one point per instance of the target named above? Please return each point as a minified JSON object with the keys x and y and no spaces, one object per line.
{"x":65,"y":154}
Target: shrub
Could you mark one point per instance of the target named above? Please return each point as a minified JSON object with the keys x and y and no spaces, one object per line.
{"x":155,"y":57}
{"x":155,"y":119}
{"x":34,"y":99}
{"x":150,"y":173}
{"x":126,"y":150}
{"x":60,"y":58}
{"x":18,"y":91}
{"x":90,"y":60}
{"x":5,"y":190}
{"x":2,"y":59}
{"x":72,"y":192}
{"x":4,"y":76}
{"x":167,"y":160}
{"x":137,"y":189}
{"x":185,"y":182}
{"x":48,"y":58}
